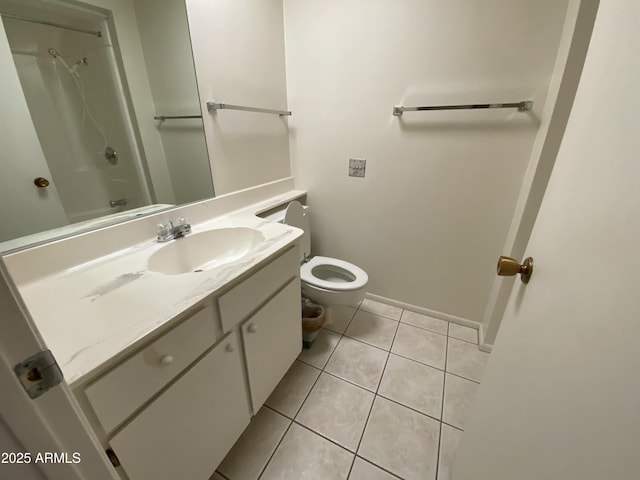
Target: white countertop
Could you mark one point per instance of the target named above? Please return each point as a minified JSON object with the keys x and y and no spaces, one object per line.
{"x":96,"y":312}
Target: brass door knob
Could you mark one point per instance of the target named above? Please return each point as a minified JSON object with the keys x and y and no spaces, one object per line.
{"x":41,"y":182}
{"x":508,"y":266}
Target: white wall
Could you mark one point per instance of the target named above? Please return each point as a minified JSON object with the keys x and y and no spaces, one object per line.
{"x":429,"y":218}
{"x":238,"y":47}
{"x":164,"y":33}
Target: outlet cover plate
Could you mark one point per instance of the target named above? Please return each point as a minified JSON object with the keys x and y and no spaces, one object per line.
{"x":357,"y":167}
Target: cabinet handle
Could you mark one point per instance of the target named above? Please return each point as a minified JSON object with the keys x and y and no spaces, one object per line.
{"x":166,"y":360}
{"x":253,"y":328}
{"x":229,"y":348}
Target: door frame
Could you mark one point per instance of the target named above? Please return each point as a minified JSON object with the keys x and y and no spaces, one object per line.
{"x":574,"y":43}
{"x":54,"y":421}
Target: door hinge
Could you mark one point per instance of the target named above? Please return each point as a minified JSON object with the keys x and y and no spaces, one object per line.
{"x":38,"y":373}
{"x":112,"y":457}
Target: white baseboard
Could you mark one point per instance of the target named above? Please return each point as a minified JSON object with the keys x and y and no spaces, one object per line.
{"x":425,"y":311}
{"x":484,"y":347}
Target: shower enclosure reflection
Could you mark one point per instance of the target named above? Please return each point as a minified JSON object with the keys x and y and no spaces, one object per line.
{"x":100,"y":167}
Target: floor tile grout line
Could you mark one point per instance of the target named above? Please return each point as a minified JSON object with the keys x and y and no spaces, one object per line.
{"x":292,"y":421}
{"x":375,"y":394}
{"x":460,"y":376}
{"x":436,"y":368}
{"x":353,"y":462}
{"x":453,"y":426}
{"x":365,"y":343}
{"x":380,"y":314}
{"x":348,"y":323}
{"x":266,"y":465}
{"x":325,"y":437}
{"x":366,"y":423}
{"x":439,"y":420}
{"x":386,"y":362}
{"x":418,"y":361}
{"x":307,"y":395}
{"x":409,"y":408}
{"x":425,"y":329}
{"x":444,"y":385}
{"x":350,"y":382}
{"x":328,"y":358}
{"x":369,"y":344}
{"x":395,"y":475}
{"x":463,"y":340}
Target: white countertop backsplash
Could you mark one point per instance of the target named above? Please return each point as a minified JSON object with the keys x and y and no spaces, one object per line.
{"x":94,"y":313}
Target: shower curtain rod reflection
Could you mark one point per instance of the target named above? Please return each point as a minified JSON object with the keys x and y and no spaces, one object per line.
{"x":97,"y":33}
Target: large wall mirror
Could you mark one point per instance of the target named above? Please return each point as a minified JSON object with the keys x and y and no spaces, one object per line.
{"x":111,"y":91}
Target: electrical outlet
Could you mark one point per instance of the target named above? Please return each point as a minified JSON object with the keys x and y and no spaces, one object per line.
{"x":357,"y":167}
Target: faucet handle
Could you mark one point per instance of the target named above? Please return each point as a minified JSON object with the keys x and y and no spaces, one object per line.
{"x":164,"y":232}
{"x":183,"y":221}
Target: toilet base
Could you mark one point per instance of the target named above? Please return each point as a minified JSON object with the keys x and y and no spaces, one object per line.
{"x":350,"y":298}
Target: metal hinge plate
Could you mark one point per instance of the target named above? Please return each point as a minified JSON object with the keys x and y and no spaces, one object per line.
{"x":113,"y":458}
{"x":38,"y":373}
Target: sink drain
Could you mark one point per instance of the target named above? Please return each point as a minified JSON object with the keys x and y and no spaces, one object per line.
{"x":199,"y":270}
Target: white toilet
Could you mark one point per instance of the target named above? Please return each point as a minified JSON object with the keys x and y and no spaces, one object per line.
{"x":325,"y":280}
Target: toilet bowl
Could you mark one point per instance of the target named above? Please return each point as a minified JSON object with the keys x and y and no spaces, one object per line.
{"x":325,"y":280}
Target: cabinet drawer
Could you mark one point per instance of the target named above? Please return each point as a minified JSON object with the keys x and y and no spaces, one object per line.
{"x":237,"y":303}
{"x":187,"y":431}
{"x":272,"y":341}
{"x":120,"y":392}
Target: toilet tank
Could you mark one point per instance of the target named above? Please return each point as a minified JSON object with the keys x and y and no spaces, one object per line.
{"x":296,"y":215}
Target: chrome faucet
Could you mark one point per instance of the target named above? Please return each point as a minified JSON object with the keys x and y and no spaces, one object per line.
{"x":169,"y":231}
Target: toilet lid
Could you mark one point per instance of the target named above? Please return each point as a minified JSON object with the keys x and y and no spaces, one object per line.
{"x":297,"y":217}
{"x":333,"y":274}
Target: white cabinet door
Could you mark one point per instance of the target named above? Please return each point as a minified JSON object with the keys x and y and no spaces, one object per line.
{"x":272,"y":341}
{"x":187,"y":431}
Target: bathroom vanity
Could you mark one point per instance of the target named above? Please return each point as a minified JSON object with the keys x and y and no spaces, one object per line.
{"x":169,"y":368}
{"x":176,"y":405}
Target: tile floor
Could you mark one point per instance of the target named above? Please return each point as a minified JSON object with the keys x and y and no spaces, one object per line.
{"x":381,"y":394}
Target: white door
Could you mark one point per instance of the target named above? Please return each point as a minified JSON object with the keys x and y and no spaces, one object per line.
{"x":560,"y":398}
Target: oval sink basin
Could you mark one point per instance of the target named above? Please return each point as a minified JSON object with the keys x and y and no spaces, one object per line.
{"x":197,"y":252}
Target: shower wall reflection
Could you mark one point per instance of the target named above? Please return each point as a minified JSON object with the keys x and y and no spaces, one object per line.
{"x":69,"y":82}
{"x":93,"y":102}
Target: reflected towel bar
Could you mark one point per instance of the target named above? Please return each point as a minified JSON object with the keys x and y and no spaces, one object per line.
{"x":212,"y":106}
{"x":523,"y":106}
{"x":97,"y":33}
{"x":162,"y":118}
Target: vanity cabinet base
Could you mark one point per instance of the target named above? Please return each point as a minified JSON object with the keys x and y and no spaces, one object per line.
{"x":189,"y":428}
{"x":272,"y":341}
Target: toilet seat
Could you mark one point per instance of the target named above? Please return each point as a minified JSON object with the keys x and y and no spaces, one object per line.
{"x":333,"y":274}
